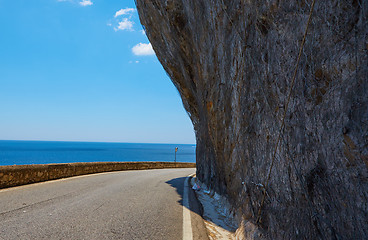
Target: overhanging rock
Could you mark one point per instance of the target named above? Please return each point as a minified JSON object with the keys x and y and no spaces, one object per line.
{"x":233,"y":64}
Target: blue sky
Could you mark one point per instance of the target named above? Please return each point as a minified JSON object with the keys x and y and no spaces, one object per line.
{"x":83,"y":70}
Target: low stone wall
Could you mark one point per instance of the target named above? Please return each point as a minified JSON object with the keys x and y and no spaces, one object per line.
{"x":16,"y":175}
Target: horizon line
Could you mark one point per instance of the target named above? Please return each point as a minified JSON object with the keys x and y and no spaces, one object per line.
{"x":79,"y":141}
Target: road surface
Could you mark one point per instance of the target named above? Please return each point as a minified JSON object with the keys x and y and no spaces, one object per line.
{"x":146,"y":204}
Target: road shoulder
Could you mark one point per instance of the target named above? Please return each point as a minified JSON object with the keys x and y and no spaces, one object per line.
{"x":215,"y":212}
{"x":196,"y":213}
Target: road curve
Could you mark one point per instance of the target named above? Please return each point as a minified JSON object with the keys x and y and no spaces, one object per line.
{"x":144,"y":204}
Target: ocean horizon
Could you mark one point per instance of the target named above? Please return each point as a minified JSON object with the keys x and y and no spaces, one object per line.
{"x":21,"y":152}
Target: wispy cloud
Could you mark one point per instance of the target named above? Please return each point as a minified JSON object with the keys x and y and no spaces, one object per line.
{"x":133,"y":62}
{"x":143,"y":49}
{"x":124,"y":12}
{"x":125,"y":24}
{"x":86,"y":3}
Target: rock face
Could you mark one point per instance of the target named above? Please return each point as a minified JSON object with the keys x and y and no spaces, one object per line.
{"x":233,"y":64}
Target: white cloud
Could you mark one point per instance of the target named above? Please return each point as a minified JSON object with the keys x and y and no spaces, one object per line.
{"x":125,"y":24}
{"x":123,"y":19}
{"x":143,"y":49}
{"x":86,"y":3}
{"x":143,"y":32}
{"x":124,"y":11}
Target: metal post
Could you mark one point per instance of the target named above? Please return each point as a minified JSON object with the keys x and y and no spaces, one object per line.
{"x":176,"y":149}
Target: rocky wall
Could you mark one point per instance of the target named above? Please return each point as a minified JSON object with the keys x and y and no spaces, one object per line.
{"x":233,"y":63}
{"x":16,"y":175}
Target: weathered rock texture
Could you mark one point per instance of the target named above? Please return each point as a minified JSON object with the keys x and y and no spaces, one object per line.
{"x":232,"y":62}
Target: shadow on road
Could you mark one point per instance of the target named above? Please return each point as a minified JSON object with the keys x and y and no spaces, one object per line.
{"x":178,"y":184}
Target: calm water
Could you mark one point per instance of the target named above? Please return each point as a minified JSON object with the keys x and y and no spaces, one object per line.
{"x":40,"y":152}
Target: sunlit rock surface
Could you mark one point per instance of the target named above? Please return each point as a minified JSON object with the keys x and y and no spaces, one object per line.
{"x":233,"y":63}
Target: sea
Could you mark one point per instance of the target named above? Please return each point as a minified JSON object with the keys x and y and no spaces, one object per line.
{"x":45,"y":152}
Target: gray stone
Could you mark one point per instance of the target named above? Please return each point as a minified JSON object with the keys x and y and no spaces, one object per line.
{"x":232,"y":63}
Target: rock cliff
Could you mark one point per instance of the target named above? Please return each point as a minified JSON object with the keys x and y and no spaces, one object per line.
{"x":289,"y":153}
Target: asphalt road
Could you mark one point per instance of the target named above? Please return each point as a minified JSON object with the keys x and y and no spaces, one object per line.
{"x":143,"y":204}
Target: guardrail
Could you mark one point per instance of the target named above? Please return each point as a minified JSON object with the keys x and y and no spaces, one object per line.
{"x":16,"y":175}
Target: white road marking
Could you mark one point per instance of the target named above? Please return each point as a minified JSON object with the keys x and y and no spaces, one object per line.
{"x":187,"y":225}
